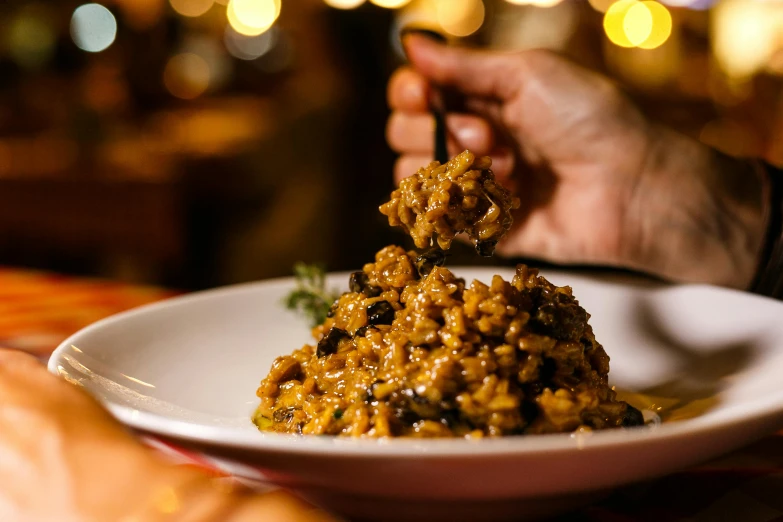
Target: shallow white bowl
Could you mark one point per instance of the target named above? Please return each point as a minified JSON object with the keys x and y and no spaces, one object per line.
{"x":186,"y":370}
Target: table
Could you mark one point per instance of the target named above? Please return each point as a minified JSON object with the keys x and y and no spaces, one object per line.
{"x":38,"y":310}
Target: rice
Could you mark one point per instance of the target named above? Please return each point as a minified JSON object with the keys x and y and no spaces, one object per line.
{"x":412,"y":350}
{"x":461,"y":196}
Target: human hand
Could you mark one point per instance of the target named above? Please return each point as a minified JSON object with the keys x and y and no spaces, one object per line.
{"x":599,"y":183}
{"x":63,"y":458}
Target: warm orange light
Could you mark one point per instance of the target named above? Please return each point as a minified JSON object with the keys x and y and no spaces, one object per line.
{"x":614,"y":22}
{"x":601,"y":5}
{"x":536,"y":3}
{"x":460,"y":17}
{"x":252,"y":17}
{"x":745,"y":36}
{"x":637,"y":23}
{"x":344,"y":4}
{"x":661,"y":28}
{"x":634,"y":23}
{"x":191,"y":8}
{"x":390,"y":4}
{"x":186,"y":76}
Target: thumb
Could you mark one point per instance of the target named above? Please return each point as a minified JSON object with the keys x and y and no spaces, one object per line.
{"x":478,"y":73}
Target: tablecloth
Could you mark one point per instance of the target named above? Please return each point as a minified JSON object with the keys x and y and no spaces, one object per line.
{"x":39,"y":310}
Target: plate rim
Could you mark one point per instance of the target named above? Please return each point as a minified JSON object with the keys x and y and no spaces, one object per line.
{"x":767,"y":408}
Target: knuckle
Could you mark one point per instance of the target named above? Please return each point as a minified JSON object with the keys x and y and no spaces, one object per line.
{"x":393,"y":132}
{"x":485,"y":134}
{"x":13,"y":360}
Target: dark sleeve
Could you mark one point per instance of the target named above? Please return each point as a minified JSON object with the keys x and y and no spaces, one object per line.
{"x":769,"y":279}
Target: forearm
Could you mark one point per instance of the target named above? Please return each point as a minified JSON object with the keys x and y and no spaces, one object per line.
{"x":66,"y":459}
{"x":702,"y":215}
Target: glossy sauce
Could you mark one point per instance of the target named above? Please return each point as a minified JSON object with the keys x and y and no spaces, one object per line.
{"x":668,"y":408}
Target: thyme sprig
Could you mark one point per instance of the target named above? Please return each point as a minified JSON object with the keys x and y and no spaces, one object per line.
{"x":310,"y":297}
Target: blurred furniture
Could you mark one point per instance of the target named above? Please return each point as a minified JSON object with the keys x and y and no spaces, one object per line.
{"x":125,"y":229}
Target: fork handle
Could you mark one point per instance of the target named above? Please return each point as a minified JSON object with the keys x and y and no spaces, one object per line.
{"x":441,"y":135}
{"x":437,"y":99}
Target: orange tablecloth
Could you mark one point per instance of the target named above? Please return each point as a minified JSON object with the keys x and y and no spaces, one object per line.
{"x":38,"y":310}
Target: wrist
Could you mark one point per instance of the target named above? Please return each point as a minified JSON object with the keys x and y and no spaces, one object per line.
{"x":769,"y":276}
{"x":700,"y":215}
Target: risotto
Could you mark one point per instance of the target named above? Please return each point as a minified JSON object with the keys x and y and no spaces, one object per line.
{"x":461,"y":196}
{"x":412,"y":350}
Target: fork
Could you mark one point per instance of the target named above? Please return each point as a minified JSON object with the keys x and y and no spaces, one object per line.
{"x":437,"y":100}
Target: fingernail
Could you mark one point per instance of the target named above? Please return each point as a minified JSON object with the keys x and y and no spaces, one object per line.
{"x":467,"y":136}
{"x":414,"y":91}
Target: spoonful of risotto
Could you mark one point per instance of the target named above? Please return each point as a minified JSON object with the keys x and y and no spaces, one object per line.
{"x":440,"y":201}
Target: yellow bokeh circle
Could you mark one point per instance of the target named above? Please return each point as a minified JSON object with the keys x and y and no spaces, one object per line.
{"x":613,"y":22}
{"x":344,"y":4}
{"x":661,"y":26}
{"x":191,"y":8}
{"x":390,"y":4}
{"x":187,"y":76}
{"x":252,"y":17}
{"x":460,"y":17}
{"x":635,"y":23}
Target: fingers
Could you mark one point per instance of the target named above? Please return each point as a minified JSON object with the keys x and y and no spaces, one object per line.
{"x":413,"y":133}
{"x":502,"y":164}
{"x":14,"y":361}
{"x":21,"y":370}
{"x":280,"y":507}
{"x":408,"y":91}
{"x":479,"y":73}
{"x":26,"y":383}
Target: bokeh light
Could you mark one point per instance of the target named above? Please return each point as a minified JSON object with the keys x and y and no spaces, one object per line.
{"x":390,"y":4}
{"x":614,"y":22}
{"x":344,"y":4}
{"x":460,"y":17}
{"x":186,"y":76}
{"x":214,"y":53}
{"x":536,"y":3}
{"x":191,"y":8}
{"x":601,"y":5}
{"x":550,"y":28}
{"x":637,"y":23}
{"x":30,"y":38}
{"x":681,"y":3}
{"x":252,"y":17}
{"x":631,"y":23}
{"x":661,"y":28}
{"x":545,"y":3}
{"x":93,"y":28}
{"x":745,"y":35}
{"x":249,"y":47}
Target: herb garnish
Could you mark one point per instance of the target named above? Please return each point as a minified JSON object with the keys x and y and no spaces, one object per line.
{"x":310,"y":296}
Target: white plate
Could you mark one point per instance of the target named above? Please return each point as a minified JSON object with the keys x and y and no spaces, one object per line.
{"x":186,"y":370}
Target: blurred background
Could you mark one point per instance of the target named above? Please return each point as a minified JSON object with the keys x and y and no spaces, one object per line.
{"x":194,"y":143}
